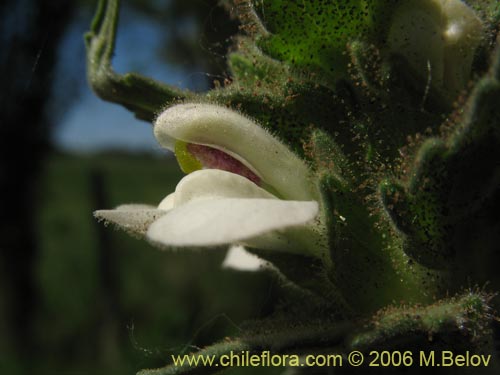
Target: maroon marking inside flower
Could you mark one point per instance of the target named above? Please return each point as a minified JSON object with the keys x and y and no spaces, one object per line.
{"x":216,"y":159}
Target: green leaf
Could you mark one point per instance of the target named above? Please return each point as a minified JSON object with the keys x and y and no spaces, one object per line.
{"x":490,"y":9}
{"x":394,"y":103}
{"x":312,"y":35}
{"x":251,"y":68}
{"x":459,"y":323}
{"x":311,"y":275}
{"x":369,"y":267}
{"x":391,"y":79}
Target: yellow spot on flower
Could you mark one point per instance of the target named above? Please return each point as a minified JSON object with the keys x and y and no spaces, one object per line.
{"x":186,"y":160}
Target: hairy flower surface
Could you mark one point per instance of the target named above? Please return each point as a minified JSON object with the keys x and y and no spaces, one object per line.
{"x":243,"y":187}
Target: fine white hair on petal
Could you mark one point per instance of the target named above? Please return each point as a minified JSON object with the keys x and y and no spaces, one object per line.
{"x":134,"y":218}
{"x":237,"y":258}
{"x":240,"y":137}
{"x":134,"y":207}
{"x":214,"y":222}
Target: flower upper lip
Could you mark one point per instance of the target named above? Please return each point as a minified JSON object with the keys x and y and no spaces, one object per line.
{"x":241,"y":138}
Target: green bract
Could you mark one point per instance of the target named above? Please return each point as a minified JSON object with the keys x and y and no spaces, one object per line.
{"x":356,"y":150}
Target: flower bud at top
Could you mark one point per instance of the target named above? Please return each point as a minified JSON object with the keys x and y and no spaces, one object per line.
{"x":439,"y":38}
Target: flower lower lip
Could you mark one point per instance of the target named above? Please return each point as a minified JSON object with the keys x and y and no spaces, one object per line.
{"x":216,"y":159}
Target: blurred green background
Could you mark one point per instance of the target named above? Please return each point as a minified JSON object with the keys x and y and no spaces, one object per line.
{"x":76,"y":297}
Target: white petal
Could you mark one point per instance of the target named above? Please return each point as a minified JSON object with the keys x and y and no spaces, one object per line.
{"x":237,"y":258}
{"x":167,"y":203}
{"x":134,"y":218}
{"x":215,"y":183}
{"x":214,"y":222}
{"x":240,"y":137}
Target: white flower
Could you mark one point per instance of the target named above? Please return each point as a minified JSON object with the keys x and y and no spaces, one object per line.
{"x":243,"y":187}
{"x":439,"y":39}
{"x":239,"y":259}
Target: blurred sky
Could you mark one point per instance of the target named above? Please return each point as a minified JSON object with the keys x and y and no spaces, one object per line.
{"x":89,"y":124}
